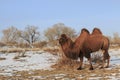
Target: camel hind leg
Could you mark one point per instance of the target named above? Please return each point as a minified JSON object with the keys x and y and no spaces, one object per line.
{"x":88,"y":56}
{"x":106,"y":57}
{"x":90,"y":62}
{"x":81,"y":61}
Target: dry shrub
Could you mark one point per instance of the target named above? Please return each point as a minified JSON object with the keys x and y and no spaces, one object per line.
{"x":16,"y":57}
{"x":2,"y":44}
{"x":23,"y":45}
{"x":2,"y":58}
{"x":11,"y":43}
{"x":66,"y":63}
{"x":97,"y":57}
{"x":114,"y":46}
{"x":11,"y":50}
{"x":32,"y":49}
{"x":22,"y":54}
{"x":40,"y":44}
{"x":52,"y":50}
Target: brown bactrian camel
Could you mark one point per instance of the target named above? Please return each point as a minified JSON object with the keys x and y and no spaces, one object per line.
{"x":72,"y":49}
{"x":94,"y":42}
{"x":69,"y":47}
{"x":84,"y":45}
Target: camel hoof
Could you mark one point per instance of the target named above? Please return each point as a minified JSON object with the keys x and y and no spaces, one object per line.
{"x":91,"y":68}
{"x":79,"y":68}
{"x":107,"y":67}
{"x":101,"y":67}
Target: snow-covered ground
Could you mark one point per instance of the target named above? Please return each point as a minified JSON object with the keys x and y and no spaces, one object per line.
{"x":39,"y":60}
{"x":115,"y":56}
{"x":32,"y":61}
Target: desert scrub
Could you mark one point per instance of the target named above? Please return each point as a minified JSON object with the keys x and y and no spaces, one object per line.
{"x":97,"y":57}
{"x":65,"y":63}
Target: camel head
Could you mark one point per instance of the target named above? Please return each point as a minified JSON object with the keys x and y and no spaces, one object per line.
{"x":63,"y":39}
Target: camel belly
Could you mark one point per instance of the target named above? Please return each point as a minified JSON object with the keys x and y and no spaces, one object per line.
{"x":93,"y":46}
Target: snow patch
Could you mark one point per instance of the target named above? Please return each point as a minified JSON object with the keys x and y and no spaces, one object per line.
{"x":33,"y":61}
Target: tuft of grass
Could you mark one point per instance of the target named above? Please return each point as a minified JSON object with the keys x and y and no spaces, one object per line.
{"x":16,"y":57}
{"x":2,"y":58}
{"x":22,"y":54}
{"x":52,"y":50}
{"x":65,"y":63}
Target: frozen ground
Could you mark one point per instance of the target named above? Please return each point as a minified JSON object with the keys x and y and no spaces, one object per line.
{"x":32,"y":61}
{"x":41,"y":61}
{"x":115,"y":56}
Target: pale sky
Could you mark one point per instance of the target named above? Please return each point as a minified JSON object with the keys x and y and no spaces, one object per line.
{"x":104,"y":14}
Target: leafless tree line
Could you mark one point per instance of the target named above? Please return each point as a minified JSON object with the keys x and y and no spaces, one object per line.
{"x":31,"y":35}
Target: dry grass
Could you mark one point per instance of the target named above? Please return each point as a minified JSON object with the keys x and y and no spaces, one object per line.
{"x":57,"y":74}
{"x":65,"y":63}
{"x":97,"y":57}
{"x":114,"y":46}
{"x":64,"y":66}
{"x":22,"y":54}
{"x":1,"y":58}
{"x":12,"y":50}
{"x":52,"y":50}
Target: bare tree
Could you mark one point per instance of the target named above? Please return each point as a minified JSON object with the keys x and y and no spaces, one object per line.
{"x":110,"y":39}
{"x":10,"y":35}
{"x":116,"y":38}
{"x":30,"y":35}
{"x":56,"y":30}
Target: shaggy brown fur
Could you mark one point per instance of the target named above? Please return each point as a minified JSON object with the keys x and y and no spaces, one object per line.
{"x":93,"y":43}
{"x":69,"y":48}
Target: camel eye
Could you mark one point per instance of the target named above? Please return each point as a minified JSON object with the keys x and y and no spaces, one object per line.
{"x":62,"y":40}
{"x":65,"y":39}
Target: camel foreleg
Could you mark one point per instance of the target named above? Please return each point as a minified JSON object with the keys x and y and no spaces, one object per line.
{"x":90,"y":62}
{"x":81,"y":62}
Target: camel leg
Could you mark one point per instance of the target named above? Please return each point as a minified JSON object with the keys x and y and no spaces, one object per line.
{"x":107,"y":57}
{"x":103,"y":59}
{"x":102,"y":64}
{"x":81,"y":62}
{"x":108,"y":61}
{"x":91,"y":67}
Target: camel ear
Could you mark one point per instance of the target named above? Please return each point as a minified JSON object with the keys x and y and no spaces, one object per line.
{"x":63,"y":35}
